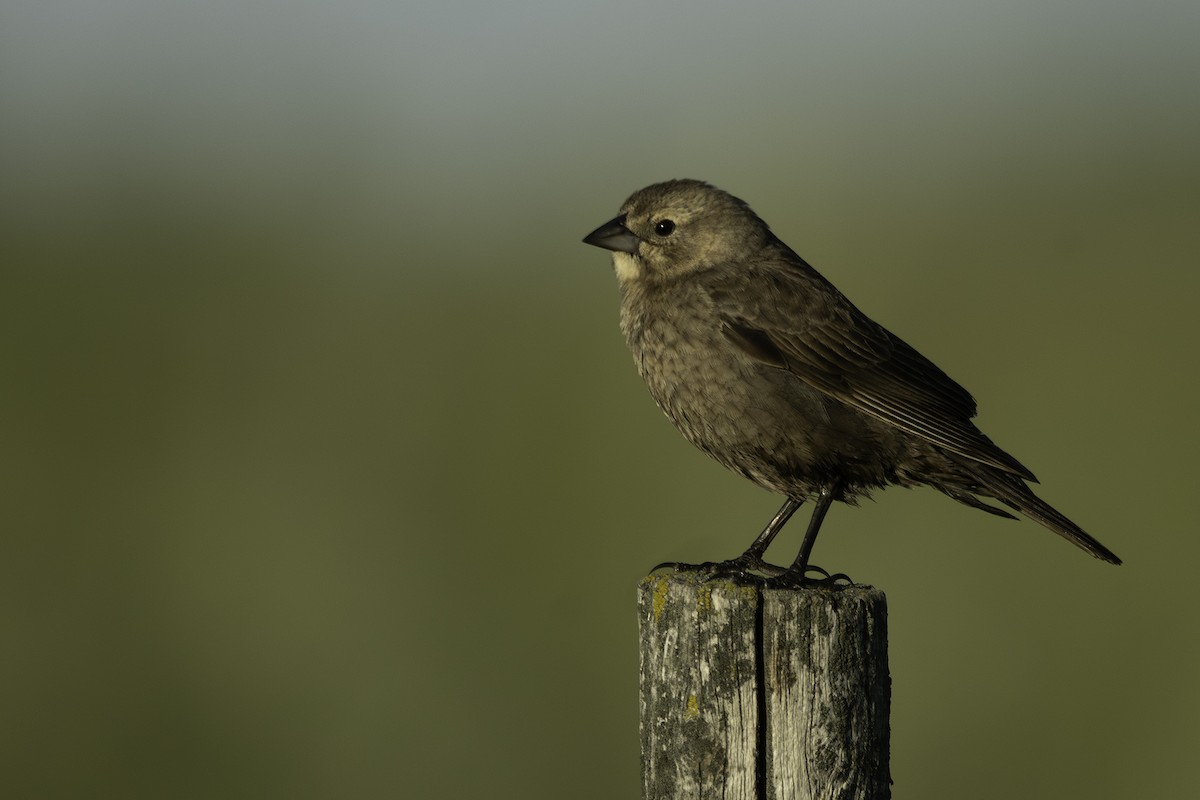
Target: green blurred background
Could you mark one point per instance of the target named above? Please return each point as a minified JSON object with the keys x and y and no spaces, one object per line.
{"x":327,"y":474}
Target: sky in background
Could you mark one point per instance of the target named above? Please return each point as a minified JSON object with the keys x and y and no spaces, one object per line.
{"x":327,"y":473}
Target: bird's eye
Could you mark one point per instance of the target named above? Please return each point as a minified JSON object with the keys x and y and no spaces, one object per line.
{"x":664,"y":227}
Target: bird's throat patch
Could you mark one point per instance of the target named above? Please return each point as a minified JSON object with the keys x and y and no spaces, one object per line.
{"x":626,"y":266}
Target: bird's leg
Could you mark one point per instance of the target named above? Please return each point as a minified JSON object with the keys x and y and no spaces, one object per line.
{"x":796,"y":574}
{"x":752,"y":559}
{"x":824,"y":499}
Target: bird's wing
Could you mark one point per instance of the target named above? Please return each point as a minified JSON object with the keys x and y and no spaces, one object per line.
{"x":800,"y":322}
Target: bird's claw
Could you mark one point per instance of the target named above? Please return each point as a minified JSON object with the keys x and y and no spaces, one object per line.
{"x":749,"y":568}
{"x":743,"y":569}
{"x":799,"y":579}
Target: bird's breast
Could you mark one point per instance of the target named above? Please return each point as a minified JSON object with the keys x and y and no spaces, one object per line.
{"x":716,"y":395}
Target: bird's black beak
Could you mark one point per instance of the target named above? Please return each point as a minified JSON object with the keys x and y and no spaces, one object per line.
{"x":613,"y":235}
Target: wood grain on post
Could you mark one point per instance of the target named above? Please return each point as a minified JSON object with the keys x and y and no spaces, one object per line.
{"x":750,"y":693}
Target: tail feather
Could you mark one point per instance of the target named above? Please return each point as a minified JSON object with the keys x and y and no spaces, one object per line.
{"x":966,"y":498}
{"x":1012,"y":492}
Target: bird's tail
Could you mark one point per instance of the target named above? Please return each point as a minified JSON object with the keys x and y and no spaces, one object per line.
{"x":1014,"y":493}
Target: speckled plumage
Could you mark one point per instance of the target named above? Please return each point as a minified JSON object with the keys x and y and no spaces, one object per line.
{"x":761,"y":363}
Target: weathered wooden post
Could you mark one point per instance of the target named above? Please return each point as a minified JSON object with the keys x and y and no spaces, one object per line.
{"x":751,"y":693}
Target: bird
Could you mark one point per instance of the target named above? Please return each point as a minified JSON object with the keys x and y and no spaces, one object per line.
{"x":761,"y":363}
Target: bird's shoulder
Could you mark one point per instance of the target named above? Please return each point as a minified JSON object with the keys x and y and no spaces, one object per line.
{"x":782,"y":296}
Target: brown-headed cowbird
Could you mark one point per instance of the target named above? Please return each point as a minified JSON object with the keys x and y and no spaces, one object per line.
{"x":761,"y":363}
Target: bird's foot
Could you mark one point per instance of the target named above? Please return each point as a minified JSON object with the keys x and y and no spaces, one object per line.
{"x":746,"y":568}
{"x":800,"y":579}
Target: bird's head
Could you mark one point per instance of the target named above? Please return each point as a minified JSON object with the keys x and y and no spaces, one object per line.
{"x":670,"y":230}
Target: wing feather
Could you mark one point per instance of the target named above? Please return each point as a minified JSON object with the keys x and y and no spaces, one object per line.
{"x":821,"y":338}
